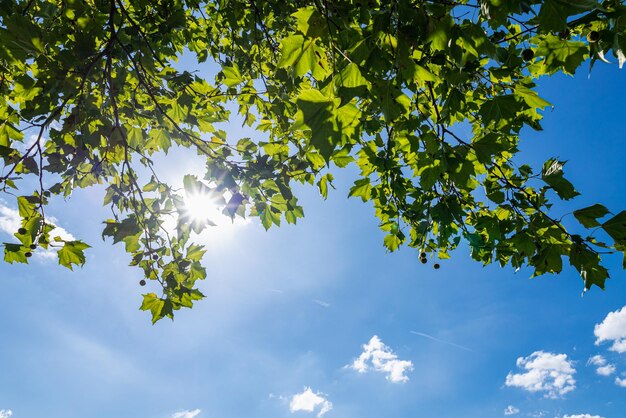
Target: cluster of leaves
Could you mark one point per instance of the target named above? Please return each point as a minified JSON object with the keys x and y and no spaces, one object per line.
{"x":427,"y":98}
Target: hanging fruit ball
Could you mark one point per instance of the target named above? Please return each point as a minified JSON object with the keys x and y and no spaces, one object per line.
{"x":528,"y":54}
{"x":593,"y":36}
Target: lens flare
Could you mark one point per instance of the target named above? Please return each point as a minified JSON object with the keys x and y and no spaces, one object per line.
{"x":204,"y":207}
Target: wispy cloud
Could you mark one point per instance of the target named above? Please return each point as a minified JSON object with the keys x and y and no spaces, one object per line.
{"x":5,"y":413}
{"x":430,"y":337}
{"x":613,"y":329}
{"x":321,"y":303}
{"x":511,"y":410}
{"x":620,"y":382}
{"x":582,"y":416}
{"x":552,"y":374}
{"x":309,"y":401}
{"x":94,"y":356}
{"x":597,"y":360}
{"x":602,"y":367}
{"x":186,"y":414}
{"x":377,"y":356}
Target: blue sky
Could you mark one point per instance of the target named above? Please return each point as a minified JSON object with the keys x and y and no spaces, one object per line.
{"x":318,"y":320}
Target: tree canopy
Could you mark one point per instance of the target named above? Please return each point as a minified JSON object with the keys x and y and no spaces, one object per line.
{"x":428,"y":98}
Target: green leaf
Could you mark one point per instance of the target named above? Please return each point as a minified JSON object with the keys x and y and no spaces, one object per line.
{"x":588,"y":264}
{"x":554,"y":13}
{"x":323,"y":184}
{"x":33,"y":227}
{"x":588,"y":216}
{"x":424,"y":75}
{"x":14,"y":253}
{"x":135,"y":137}
{"x":158,"y":139}
{"x":342,"y":158}
{"x":178,"y":113}
{"x":500,"y":109}
{"x":362,"y":188}
{"x":393,"y":242}
{"x":315,"y":112}
{"x":309,"y":21}
{"x":232,"y":76}
{"x":269,"y":217}
{"x":547,"y":260}
{"x":350,"y":76}
{"x":151,"y":302}
{"x":531,"y":97}
{"x":616,"y":227}
{"x":553,"y":175}
{"x":27,"y":206}
{"x":192,"y":185}
{"x":131,"y":244}
{"x":297,"y":52}
{"x":23,"y":35}
{"x":558,"y":54}
{"x":195,"y":252}
{"x":120,"y":231}
{"x":72,"y":253}
{"x":316,"y":160}
{"x":439,"y":33}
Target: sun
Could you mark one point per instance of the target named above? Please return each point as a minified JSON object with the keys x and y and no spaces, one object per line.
{"x":205,"y":207}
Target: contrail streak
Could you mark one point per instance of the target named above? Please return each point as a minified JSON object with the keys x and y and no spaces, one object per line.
{"x":430,"y":337}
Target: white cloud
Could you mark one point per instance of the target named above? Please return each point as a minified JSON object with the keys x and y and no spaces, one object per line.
{"x":607,"y":370}
{"x":582,"y":416}
{"x":613,"y":329}
{"x":10,"y":222}
{"x":9,"y":219}
{"x":308,"y":401}
{"x":60,"y":232}
{"x":382,"y":359}
{"x":597,"y":360}
{"x":186,"y":414}
{"x":602,"y":367}
{"x":279,"y":397}
{"x":620,"y":382}
{"x":550,"y":373}
{"x":511,"y":410}
{"x":5,"y":413}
